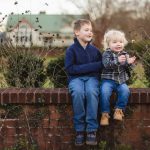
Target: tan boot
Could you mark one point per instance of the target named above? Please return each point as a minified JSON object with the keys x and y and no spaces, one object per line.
{"x":118,"y":114}
{"x":104,"y":119}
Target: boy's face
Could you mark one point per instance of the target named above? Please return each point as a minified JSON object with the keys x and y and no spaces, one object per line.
{"x":116,"y":45}
{"x":85,"y":34}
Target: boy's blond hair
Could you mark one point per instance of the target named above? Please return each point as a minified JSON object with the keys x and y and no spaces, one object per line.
{"x":113,"y":35}
{"x":80,"y":22}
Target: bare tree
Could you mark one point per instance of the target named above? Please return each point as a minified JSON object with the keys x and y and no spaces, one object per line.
{"x":120,"y":14}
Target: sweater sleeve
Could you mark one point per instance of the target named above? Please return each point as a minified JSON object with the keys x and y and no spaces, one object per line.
{"x":74,"y":69}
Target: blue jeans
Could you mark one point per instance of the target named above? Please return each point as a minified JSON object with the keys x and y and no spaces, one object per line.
{"x":85,"y":98}
{"x":106,"y":89}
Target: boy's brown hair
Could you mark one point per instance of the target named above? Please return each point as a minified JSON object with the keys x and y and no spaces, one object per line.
{"x":80,"y":22}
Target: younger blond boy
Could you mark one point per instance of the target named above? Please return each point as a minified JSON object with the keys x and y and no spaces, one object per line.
{"x":116,"y":63}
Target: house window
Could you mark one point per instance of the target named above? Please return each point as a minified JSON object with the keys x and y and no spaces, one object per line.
{"x":17,"y":39}
{"x":26,"y":38}
{"x":21,"y":38}
{"x":1,"y":40}
{"x":30,"y":37}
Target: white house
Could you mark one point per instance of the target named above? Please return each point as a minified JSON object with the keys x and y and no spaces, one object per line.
{"x":41,"y":30}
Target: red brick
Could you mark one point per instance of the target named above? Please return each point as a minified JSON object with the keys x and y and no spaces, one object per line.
{"x":10,"y":131}
{"x":53,"y":123}
{"x":134,"y":98}
{"x":148,"y":97}
{"x":136,"y":115}
{"x":39,"y":98}
{"x":1,"y":98}
{"x":30,"y":95}
{"x":143,"y":98}
{"x":10,"y":140}
{"x":67,"y":138}
{"x":47,"y":96}
{"x":10,"y":122}
{"x":14,"y":95}
{"x":69,"y":99}
{"x":54,"y":115}
{"x":54,"y":96}
{"x":146,"y":123}
{"x":63,"y":97}
{"x":5,"y":96}
{"x":45,"y":123}
{"x":22,"y":95}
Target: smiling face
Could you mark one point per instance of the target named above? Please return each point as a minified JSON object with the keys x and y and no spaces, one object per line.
{"x":116,"y":45}
{"x":84,"y":34}
{"x":115,"y":40}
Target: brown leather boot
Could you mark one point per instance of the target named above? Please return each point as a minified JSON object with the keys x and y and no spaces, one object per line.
{"x":104,"y":119}
{"x":118,"y":114}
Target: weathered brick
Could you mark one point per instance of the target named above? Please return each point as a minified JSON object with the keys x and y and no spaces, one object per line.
{"x":56,"y":128}
{"x":54,"y":97}
{"x":22,"y":96}
{"x":143,"y":98}
{"x":30,"y":95}
{"x":47,"y":96}
{"x":134,"y":98}
{"x":5,"y":96}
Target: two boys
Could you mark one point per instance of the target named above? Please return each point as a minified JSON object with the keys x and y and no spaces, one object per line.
{"x":83,"y":64}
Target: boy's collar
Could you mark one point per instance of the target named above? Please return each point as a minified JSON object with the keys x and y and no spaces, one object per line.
{"x":77,"y":42}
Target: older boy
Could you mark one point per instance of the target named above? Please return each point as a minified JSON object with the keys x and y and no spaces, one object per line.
{"x":83,"y":63}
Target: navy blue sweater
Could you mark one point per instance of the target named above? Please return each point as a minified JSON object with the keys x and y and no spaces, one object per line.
{"x":82,"y":62}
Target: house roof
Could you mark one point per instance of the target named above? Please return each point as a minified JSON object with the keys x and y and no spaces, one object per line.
{"x":43,"y":22}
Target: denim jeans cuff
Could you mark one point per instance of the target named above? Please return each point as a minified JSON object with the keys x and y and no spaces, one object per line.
{"x":106,"y":112}
{"x":91,"y":130}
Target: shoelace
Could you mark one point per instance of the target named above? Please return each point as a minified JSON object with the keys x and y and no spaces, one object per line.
{"x":92,"y":134}
{"x":106,"y":115}
{"x":119,"y":112}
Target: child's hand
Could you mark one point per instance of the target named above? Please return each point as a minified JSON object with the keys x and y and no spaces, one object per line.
{"x":131,"y":60}
{"x":122,"y":59}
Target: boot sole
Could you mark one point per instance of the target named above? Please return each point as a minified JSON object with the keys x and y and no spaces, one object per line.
{"x":118,"y":119}
{"x":79,"y":144}
{"x":104,"y":124}
{"x":91,"y":143}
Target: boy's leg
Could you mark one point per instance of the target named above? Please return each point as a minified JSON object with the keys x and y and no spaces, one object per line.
{"x":123,"y":95}
{"x":92,"y":100}
{"x":106,"y":89}
{"x":76,"y":88}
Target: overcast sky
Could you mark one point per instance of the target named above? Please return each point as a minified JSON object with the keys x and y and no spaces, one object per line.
{"x":35,"y":6}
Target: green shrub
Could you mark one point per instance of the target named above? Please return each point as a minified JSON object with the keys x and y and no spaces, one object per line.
{"x":146,"y":64}
{"x":56,"y":72}
{"x":142,"y":51}
{"x":25,"y":69}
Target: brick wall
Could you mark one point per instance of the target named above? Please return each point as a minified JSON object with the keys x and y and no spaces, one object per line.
{"x":42,"y":119}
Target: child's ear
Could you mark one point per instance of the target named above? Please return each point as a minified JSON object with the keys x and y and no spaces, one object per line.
{"x":76,"y":32}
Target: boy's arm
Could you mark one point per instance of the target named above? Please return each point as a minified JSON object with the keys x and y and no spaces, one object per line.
{"x":71,"y":68}
{"x":109,"y":61}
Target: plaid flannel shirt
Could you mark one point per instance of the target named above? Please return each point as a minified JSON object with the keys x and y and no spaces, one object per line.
{"x":113,"y":69}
